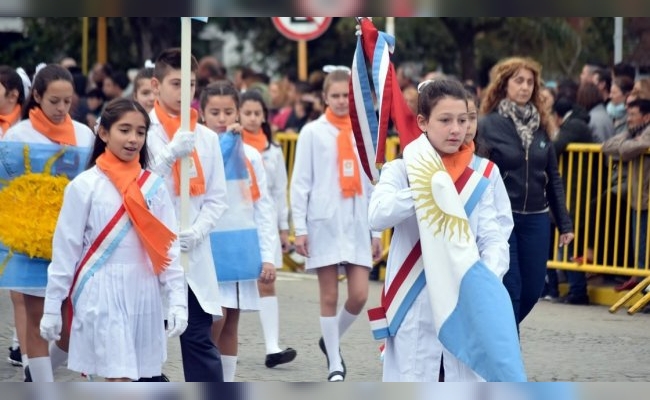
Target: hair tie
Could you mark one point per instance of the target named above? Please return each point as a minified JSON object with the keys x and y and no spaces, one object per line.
{"x":424,"y":84}
{"x":27,"y":84}
{"x":39,"y":67}
{"x":96,"y":127}
{"x":149,"y":64}
{"x":328,"y":69}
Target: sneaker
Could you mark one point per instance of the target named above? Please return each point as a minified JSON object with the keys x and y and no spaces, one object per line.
{"x":15,"y":358}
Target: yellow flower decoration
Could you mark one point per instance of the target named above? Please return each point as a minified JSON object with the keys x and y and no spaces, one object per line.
{"x":421,"y":172}
{"x":30,"y":206}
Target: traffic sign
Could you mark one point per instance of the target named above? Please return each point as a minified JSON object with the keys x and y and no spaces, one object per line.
{"x":302,"y":28}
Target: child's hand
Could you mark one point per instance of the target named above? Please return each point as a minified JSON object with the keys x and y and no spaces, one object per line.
{"x":302,"y":246}
{"x":268,"y":273}
{"x":236,"y":128}
{"x":284,"y":241}
{"x":377,"y":249}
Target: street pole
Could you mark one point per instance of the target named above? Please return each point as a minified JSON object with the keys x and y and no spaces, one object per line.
{"x":84,"y":46}
{"x":302,"y":60}
{"x":618,"y":39}
{"x":390,"y":25}
{"x":102,"y":48}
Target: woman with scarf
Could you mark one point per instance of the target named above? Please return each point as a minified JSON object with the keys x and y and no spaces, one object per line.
{"x":514,"y":130}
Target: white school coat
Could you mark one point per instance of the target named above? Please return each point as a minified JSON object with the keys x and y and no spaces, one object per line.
{"x":244,"y":295}
{"x":276,"y":176}
{"x":414,"y":354}
{"x":337,"y":227}
{"x":205,"y":210}
{"x":25,"y":132}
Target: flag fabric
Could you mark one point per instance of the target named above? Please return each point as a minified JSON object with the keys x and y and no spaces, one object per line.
{"x":370,"y":130}
{"x":32,"y":180}
{"x":472,"y":311}
{"x":202,"y":19}
{"x":235,"y":242}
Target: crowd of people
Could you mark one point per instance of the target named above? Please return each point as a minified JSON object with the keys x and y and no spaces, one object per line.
{"x":116,"y":289}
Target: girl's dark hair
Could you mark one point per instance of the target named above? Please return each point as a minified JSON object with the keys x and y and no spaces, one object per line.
{"x":219,"y":88}
{"x":114,"y":111}
{"x":50,"y":73}
{"x":10,"y":79}
{"x":144,"y":73}
{"x":433,"y":92}
{"x":255,"y":95}
{"x":589,"y":96}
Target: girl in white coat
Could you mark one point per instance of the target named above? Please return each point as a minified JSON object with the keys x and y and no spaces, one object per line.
{"x":415,"y":353}
{"x":329,"y":204}
{"x":219,"y":107}
{"x":46,"y":120}
{"x":117,"y":329}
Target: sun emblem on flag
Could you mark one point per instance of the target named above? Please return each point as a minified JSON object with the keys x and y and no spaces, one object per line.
{"x":444,"y":219}
{"x":30,"y":206}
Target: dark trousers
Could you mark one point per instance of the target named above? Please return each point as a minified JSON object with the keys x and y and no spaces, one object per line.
{"x":201,"y":358}
{"x":529,"y":243}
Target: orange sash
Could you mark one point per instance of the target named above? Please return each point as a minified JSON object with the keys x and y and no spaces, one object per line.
{"x":170,"y":125}
{"x":255,"y":190}
{"x":62,"y":133}
{"x":257,"y":140}
{"x":153,"y":234}
{"x":456,"y":163}
{"x":6,"y":121}
{"x":349,"y":176}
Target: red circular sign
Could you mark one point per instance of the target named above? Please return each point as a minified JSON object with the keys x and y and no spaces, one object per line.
{"x":302,"y":28}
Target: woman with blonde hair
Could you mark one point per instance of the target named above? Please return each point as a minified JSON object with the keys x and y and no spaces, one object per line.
{"x":514,"y":128}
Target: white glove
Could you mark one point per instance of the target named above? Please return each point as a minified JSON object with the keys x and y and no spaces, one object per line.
{"x":182,"y":145}
{"x":357,"y":27}
{"x":51,"y":325}
{"x":189,"y":239}
{"x":176,"y":321}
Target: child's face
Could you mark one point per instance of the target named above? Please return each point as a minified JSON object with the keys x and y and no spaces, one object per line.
{"x":219,"y":113}
{"x":169,"y":91}
{"x":6,"y":103}
{"x":145,"y":94}
{"x":472,"y":121}
{"x":126,"y":137}
{"x":447,"y":125}
{"x":336,"y":98}
{"x":56,"y":100}
{"x":251,"y":115}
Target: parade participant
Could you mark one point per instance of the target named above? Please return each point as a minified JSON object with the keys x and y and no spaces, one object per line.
{"x":329,"y":203}
{"x":219,"y":105}
{"x":257,"y":133}
{"x":142,"y":90}
{"x":47,"y":121}
{"x":201,"y":358}
{"x":113,"y":249}
{"x":514,"y":130}
{"x":414,"y":352}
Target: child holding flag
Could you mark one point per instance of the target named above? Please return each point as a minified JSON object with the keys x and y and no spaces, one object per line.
{"x":113,"y":249}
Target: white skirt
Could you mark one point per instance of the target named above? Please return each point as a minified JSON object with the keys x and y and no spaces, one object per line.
{"x":239,"y":295}
{"x":117,"y":328}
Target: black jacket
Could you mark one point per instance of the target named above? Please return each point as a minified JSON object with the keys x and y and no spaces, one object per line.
{"x":533,"y":182}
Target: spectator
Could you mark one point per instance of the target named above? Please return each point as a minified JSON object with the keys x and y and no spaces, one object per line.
{"x":601,"y":124}
{"x":114,"y":84}
{"x":603,"y":79}
{"x":625,"y":70}
{"x":588,"y":71}
{"x":621,"y":88}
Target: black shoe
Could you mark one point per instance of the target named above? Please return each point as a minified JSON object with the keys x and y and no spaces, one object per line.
{"x":28,"y":375}
{"x":15,"y":358}
{"x":285,"y":356}
{"x":161,"y":378}
{"x":321,"y":344}
{"x":581,"y":300}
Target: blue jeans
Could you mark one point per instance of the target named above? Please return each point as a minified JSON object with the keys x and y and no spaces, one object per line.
{"x":529,"y":243}
{"x":640,"y":221}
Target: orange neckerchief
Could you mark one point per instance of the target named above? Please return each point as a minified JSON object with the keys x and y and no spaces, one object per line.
{"x":170,"y":125}
{"x":155,"y":236}
{"x":6,"y":121}
{"x":456,"y":163}
{"x":349,"y":176}
{"x":257,"y":139}
{"x":255,"y":190}
{"x":62,"y":133}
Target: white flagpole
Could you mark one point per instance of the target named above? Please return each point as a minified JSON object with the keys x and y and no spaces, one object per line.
{"x":186,"y":76}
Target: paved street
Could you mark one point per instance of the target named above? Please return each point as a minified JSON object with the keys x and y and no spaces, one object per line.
{"x":560,"y":342}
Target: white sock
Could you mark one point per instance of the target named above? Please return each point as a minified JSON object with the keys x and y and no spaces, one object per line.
{"x":24,"y":359}
{"x":57,"y":355}
{"x":41,"y":369}
{"x":330,"y":328}
{"x":14,"y":341}
{"x":269,"y":317}
{"x":229,"y":364}
{"x":345,"y":320}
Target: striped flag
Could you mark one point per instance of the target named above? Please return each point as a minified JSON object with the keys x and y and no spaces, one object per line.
{"x":235,"y":243}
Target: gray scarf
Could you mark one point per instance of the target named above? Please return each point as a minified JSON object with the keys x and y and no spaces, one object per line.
{"x":526,"y":119}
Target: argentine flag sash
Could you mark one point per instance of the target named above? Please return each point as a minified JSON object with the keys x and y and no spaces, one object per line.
{"x":109,"y":238}
{"x":235,"y":243}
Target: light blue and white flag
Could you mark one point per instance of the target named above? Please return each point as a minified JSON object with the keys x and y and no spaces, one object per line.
{"x":235,"y":242}
{"x":32,"y":180}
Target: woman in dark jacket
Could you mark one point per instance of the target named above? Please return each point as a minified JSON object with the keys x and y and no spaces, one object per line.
{"x":513,"y":128}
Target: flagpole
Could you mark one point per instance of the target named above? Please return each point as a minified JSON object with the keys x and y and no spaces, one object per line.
{"x":186,"y":76}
